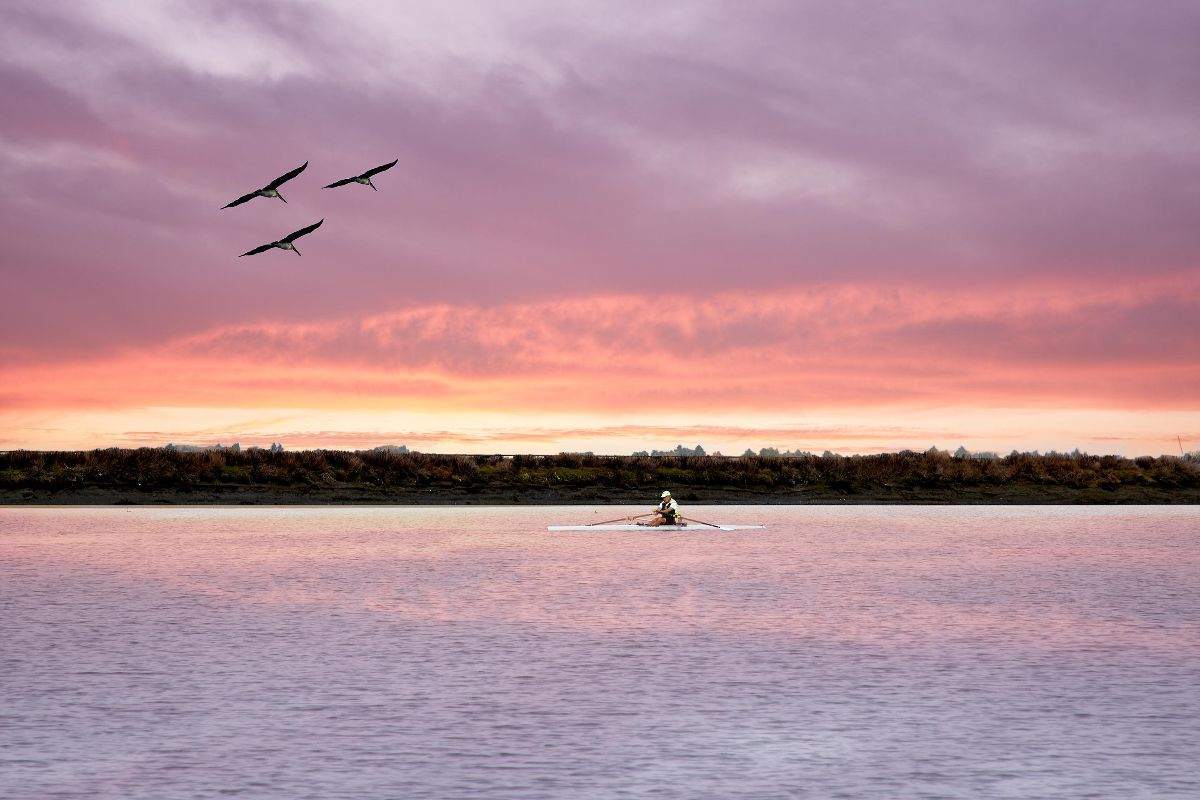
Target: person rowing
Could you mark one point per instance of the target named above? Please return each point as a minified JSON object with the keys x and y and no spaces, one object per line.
{"x":667,"y":513}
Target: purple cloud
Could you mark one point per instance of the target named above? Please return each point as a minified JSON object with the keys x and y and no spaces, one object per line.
{"x":678,"y":151}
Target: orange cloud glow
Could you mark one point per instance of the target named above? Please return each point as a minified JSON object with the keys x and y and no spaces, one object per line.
{"x":603,"y":365}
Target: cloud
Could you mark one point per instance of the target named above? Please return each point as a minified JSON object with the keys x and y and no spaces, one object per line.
{"x":820,"y":204}
{"x":548,"y":155}
{"x":1016,"y":329}
{"x":766,"y":350}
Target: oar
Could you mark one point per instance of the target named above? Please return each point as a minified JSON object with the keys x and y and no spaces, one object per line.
{"x":619,"y":519}
{"x":701,"y":522}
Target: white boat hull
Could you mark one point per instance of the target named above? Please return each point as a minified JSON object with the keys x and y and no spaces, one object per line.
{"x":649,"y":529}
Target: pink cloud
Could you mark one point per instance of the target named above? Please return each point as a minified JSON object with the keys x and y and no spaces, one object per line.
{"x":761,"y":350}
{"x":1157,"y":326}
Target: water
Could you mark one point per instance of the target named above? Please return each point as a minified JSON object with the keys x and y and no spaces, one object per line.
{"x":466,"y":653}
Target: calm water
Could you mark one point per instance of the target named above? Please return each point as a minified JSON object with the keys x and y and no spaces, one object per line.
{"x":370,"y":652}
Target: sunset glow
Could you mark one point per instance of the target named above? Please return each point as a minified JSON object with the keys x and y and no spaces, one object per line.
{"x":611,"y":230}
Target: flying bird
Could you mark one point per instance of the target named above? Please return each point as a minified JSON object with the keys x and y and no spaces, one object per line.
{"x":365,"y":178}
{"x":286,"y":243}
{"x":271,"y":189}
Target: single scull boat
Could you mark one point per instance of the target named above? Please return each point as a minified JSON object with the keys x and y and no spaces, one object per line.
{"x":652,"y":528}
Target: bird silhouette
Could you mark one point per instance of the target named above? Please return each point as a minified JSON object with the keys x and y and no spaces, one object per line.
{"x":286,"y":243}
{"x":364,"y":179}
{"x":271,"y":189}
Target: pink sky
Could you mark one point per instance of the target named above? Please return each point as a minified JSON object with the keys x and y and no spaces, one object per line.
{"x":850,"y":226}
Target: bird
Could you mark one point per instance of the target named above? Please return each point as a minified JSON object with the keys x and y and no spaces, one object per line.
{"x":364,"y":179}
{"x":271,"y":189}
{"x":286,"y":243}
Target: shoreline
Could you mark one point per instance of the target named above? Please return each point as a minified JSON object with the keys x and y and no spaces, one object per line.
{"x":266,"y":496}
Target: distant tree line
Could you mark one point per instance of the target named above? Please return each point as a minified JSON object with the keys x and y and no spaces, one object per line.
{"x":933,"y":473}
{"x":679,"y":450}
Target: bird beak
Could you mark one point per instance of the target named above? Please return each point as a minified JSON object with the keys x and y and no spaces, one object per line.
{"x":281,"y":198}
{"x":296,"y":250}
{"x":371,"y":184}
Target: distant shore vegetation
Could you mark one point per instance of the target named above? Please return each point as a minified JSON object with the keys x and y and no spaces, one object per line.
{"x":391,"y":474}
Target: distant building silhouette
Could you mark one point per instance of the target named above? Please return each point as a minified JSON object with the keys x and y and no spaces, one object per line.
{"x":199,"y":448}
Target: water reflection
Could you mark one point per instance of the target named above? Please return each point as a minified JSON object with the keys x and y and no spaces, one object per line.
{"x":467,"y":652}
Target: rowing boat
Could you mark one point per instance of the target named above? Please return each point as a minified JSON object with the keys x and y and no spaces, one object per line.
{"x":650,"y":529}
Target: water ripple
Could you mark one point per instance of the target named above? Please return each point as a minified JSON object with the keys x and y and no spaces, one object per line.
{"x":381,"y":652}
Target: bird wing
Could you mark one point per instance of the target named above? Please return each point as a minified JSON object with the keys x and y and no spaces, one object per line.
{"x":241,"y":200}
{"x":294,"y":235}
{"x":260,"y":249}
{"x":285,"y":177}
{"x":379,"y":169}
{"x":342,"y":182}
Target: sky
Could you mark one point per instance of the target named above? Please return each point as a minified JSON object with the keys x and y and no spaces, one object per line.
{"x":613,"y":226}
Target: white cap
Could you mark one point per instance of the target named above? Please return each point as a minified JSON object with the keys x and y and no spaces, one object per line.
{"x":666,"y":494}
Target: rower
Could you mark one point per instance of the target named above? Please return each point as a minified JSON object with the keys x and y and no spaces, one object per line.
{"x":667,"y":513}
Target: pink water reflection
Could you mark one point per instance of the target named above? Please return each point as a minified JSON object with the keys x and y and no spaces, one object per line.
{"x":1036,"y":577}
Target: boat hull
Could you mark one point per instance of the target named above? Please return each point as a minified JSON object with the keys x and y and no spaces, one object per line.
{"x":649,"y":529}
